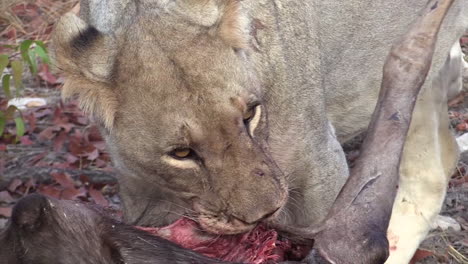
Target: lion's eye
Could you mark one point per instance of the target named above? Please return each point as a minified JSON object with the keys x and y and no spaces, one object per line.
{"x":182,"y":153}
{"x":252,"y":118}
{"x":249,"y":114}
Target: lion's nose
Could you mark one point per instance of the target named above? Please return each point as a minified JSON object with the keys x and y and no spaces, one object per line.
{"x":248,"y":220}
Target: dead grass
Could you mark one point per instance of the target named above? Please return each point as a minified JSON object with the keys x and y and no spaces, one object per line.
{"x":30,"y":19}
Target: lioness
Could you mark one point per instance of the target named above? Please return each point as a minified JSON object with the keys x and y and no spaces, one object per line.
{"x":233,"y":111}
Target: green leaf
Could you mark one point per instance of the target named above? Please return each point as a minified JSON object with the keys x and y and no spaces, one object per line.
{"x":42,"y":53}
{"x":3,"y":62}
{"x":20,"y":128}
{"x":33,"y":64}
{"x":2,"y":123}
{"x":41,"y":44}
{"x":24,"y":49}
{"x":17,"y":67}
{"x":10,"y":112}
{"x":6,"y":85}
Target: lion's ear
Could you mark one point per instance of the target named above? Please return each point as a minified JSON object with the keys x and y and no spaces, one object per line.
{"x":234,"y":25}
{"x":226,"y":17}
{"x":86,"y":57}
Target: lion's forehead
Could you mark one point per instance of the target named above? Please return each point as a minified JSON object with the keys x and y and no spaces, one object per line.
{"x":185,"y":118}
{"x":153,"y":52}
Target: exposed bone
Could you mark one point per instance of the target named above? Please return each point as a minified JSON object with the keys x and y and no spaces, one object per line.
{"x":355,"y":229}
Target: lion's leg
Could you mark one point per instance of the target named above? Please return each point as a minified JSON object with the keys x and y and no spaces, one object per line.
{"x":429,"y":158}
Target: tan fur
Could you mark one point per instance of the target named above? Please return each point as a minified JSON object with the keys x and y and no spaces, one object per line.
{"x":89,"y":82}
{"x":96,"y":99}
{"x":234,"y":25}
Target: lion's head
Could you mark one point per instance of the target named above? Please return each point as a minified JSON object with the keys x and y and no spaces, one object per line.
{"x":181,"y":108}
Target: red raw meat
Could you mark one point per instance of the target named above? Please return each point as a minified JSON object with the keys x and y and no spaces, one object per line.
{"x":259,"y":246}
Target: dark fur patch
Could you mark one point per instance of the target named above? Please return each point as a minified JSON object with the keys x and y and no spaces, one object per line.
{"x":84,"y":39}
{"x":28,"y":213}
{"x":89,"y":236}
